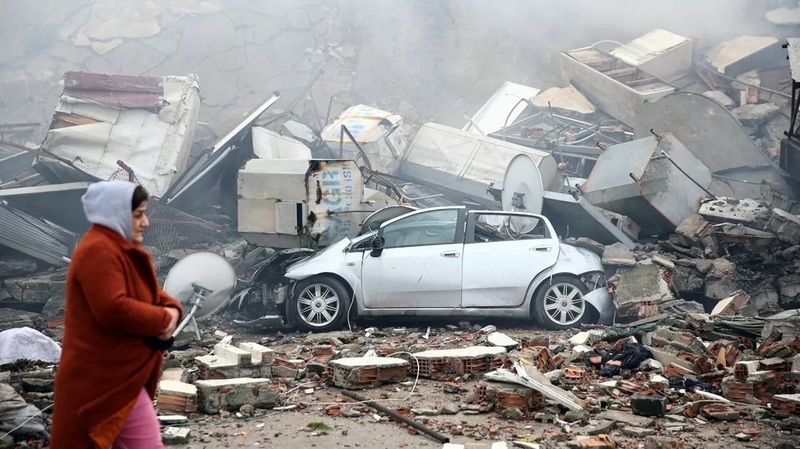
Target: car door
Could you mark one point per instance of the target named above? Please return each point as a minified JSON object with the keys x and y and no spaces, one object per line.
{"x":420,"y":264}
{"x":503,"y":252}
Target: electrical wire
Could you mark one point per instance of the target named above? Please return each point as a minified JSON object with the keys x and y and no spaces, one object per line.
{"x":26,"y":421}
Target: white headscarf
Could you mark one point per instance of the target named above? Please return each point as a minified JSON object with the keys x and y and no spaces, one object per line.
{"x":108,"y":203}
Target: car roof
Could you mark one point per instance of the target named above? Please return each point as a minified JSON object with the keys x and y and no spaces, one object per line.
{"x":418,"y":211}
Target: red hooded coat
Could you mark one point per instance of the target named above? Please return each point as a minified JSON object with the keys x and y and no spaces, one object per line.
{"x":113,"y":303}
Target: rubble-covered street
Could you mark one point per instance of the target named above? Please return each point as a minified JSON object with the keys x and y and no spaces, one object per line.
{"x":440,"y":224}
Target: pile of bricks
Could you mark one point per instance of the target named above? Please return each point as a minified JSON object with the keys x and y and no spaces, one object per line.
{"x":354,"y":373}
{"x":447,"y":364}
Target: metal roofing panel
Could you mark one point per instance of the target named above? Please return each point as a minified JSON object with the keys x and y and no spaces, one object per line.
{"x":35,"y":237}
{"x":505,"y":105}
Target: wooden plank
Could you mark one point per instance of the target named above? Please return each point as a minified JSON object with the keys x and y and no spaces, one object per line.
{"x":112,"y":83}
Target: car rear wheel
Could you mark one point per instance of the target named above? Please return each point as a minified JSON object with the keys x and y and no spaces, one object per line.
{"x":559,"y":303}
{"x":319,"y":304}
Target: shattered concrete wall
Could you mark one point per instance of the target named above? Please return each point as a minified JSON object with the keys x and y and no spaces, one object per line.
{"x":425,"y":60}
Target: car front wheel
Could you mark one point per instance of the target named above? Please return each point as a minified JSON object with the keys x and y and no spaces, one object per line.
{"x":319,"y":304}
{"x":559,"y":303}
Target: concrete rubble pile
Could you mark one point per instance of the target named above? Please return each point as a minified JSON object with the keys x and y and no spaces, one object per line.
{"x":671,"y":164}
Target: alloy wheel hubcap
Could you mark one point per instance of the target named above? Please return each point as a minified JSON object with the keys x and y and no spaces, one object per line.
{"x":318,"y":305}
{"x":563,"y":304}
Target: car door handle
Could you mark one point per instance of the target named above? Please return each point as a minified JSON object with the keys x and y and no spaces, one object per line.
{"x":542,"y":248}
{"x":452,"y":254}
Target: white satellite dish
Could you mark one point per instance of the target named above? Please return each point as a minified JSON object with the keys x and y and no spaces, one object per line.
{"x":203,"y":281}
{"x":523,"y":191}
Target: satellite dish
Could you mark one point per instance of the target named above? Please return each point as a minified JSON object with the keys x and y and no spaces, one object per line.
{"x":203,"y":281}
{"x":523,"y":191}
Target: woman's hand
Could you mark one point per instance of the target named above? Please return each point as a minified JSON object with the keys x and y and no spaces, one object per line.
{"x":166,"y":334}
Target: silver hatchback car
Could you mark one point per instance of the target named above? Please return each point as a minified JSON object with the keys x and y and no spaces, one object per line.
{"x":449,"y":261}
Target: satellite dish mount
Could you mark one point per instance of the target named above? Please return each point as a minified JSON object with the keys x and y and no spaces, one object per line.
{"x":197,"y":300}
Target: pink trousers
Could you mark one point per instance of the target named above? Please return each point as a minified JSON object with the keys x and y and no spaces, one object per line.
{"x":141,"y":430}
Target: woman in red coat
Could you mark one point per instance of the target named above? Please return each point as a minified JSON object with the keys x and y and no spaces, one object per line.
{"x":117,"y":323}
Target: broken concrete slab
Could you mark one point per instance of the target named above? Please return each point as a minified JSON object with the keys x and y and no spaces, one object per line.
{"x":568,"y":101}
{"x":618,"y":255}
{"x":259,"y":354}
{"x":732,"y":210}
{"x":729,"y":306}
{"x":626,"y":418}
{"x":10,"y":266}
{"x":502,"y":340}
{"x":175,"y":435}
{"x":720,"y":97}
{"x":230,"y":394}
{"x":367,"y":372}
{"x":755,"y":115}
{"x":743,"y":54}
{"x":591,"y":245}
{"x":640,"y":286}
{"x":786,"y":226}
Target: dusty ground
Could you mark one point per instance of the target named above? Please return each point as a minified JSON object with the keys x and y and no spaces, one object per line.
{"x":269,"y":428}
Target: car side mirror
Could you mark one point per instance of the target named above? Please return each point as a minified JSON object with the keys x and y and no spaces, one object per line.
{"x":377,"y":245}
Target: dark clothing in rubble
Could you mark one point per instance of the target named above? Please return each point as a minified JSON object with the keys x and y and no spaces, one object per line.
{"x":631,"y":355}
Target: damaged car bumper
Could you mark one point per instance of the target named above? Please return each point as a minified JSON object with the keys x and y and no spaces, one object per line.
{"x":602,"y":301}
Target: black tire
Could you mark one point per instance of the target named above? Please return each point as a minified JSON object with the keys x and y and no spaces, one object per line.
{"x":552,"y":307}
{"x":309,"y":310}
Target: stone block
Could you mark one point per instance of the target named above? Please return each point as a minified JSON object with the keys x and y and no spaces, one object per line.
{"x":785,"y":226}
{"x":211,"y":367}
{"x":175,"y":435}
{"x":618,"y":255}
{"x":232,"y":354}
{"x":639,"y":287}
{"x":231,"y":394}
{"x":754,"y":115}
{"x":645,"y":405}
{"x":259,"y":354}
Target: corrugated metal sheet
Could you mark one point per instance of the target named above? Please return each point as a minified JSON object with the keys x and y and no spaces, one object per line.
{"x":35,"y":237}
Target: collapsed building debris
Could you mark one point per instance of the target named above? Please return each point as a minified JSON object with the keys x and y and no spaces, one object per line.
{"x":700,"y":346}
{"x":98,"y":121}
{"x":656,"y":181}
{"x":611,"y":83}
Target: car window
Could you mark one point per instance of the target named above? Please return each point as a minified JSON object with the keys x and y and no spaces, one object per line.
{"x":436,"y":227}
{"x":502,"y":228}
{"x":363,"y":245}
